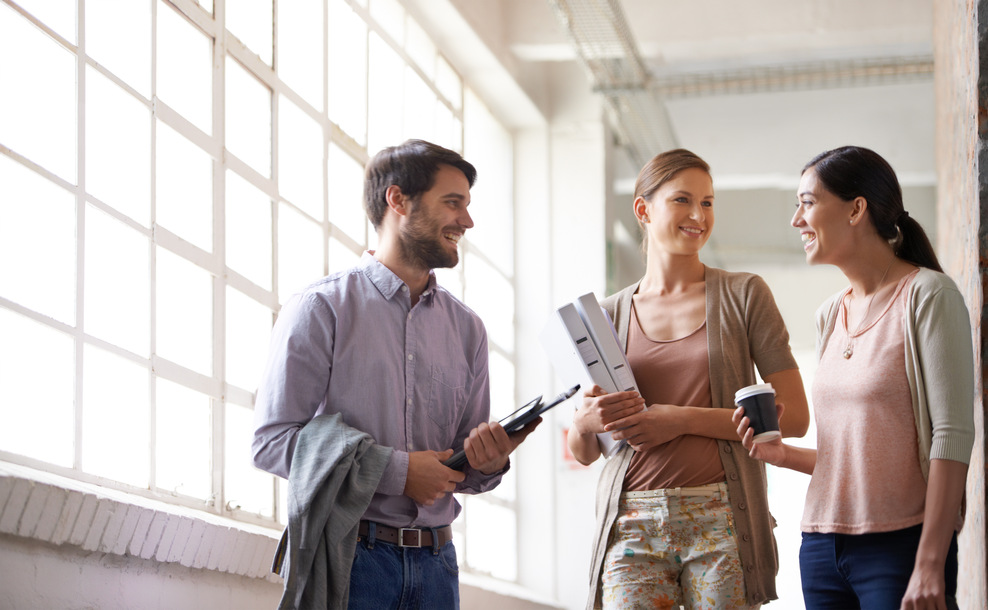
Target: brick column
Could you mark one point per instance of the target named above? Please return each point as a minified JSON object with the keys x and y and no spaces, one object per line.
{"x":960,"y":40}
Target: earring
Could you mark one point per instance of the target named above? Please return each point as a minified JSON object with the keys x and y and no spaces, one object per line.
{"x":644,"y":218}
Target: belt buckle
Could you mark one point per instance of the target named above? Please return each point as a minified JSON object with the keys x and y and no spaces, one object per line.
{"x":401,"y":537}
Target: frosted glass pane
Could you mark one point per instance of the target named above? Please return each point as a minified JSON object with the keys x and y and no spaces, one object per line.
{"x":340,"y":256}
{"x":420,"y":48}
{"x":183,"y":444}
{"x":117,"y":291}
{"x":420,"y":102}
{"x":452,"y":279}
{"x":248,"y":329}
{"x":115,"y":423}
{"x":390,"y":15}
{"x":118,"y":148}
{"x":448,"y":82}
{"x":37,"y":391}
{"x":59,"y":15}
{"x":300,"y":52}
{"x":184,"y":312}
{"x":184,"y":188}
{"x":247,"y":488}
{"x":248,"y":118}
{"x":300,"y":159}
{"x":250,"y":22}
{"x":123,"y":50}
{"x":347,"y":70}
{"x":248,"y":230}
{"x":346,"y":194}
{"x":184,"y":67}
{"x":489,"y":146}
{"x":385,"y":107}
{"x":38,"y":232}
{"x":492,"y":296}
{"x":38,"y":107}
{"x":493,"y":550}
{"x":299,"y":252}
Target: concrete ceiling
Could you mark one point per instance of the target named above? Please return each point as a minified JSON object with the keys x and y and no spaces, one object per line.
{"x":757,"y":89}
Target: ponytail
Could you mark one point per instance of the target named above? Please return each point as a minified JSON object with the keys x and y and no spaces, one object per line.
{"x":913,"y":245}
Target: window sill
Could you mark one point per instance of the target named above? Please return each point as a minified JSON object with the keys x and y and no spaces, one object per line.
{"x":54,"y":509}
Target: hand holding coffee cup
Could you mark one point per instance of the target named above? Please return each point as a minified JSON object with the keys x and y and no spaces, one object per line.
{"x":758,"y":402}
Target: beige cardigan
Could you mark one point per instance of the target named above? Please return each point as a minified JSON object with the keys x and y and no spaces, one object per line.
{"x":744,"y":328}
{"x":939,"y":365}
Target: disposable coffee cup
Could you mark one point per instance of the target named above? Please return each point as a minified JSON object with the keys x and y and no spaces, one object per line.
{"x":758,"y":402}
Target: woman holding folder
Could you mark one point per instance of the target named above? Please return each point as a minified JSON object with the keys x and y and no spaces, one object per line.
{"x":682,"y":512}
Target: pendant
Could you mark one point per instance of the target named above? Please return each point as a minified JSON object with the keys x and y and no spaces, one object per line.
{"x":847,"y":352}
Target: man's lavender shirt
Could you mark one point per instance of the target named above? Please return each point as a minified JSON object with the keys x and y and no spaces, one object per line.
{"x":414,"y":378}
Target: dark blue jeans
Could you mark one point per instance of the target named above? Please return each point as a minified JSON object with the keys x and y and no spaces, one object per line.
{"x":865,"y":571}
{"x":386,"y":576}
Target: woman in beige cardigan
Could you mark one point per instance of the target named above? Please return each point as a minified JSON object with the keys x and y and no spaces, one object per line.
{"x":682,"y":514}
{"x":893,"y":397}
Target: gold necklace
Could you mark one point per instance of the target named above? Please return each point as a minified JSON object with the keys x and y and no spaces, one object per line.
{"x":849,"y":349}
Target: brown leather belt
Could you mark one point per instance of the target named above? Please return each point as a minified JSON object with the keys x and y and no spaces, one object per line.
{"x":406,"y":536}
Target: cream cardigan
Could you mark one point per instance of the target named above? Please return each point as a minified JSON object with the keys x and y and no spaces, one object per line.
{"x":744,"y":328}
{"x":939,"y":365}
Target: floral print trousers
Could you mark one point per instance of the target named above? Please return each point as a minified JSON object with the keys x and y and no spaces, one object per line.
{"x":667,"y":552}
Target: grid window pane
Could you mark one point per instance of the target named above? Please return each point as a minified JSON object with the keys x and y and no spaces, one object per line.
{"x":492,"y":296}
{"x":184,"y":312}
{"x":124,"y":51}
{"x":488,"y":548}
{"x":420,"y":48}
{"x":299,"y":252}
{"x":248,"y":118}
{"x":38,"y":424}
{"x":390,"y":15}
{"x":37,"y":231}
{"x":59,"y":15}
{"x":452,"y":279}
{"x":448,"y":132}
{"x":247,"y":488}
{"x":448,"y":82}
{"x":248,"y":230}
{"x":385,"y":109}
{"x":347,"y":70}
{"x":251,"y":23}
{"x":346,"y":201}
{"x":184,"y":188}
{"x":184,"y":68}
{"x":420,"y":120}
{"x":38,"y":106}
{"x":248,"y":325}
{"x":182,"y":440}
{"x":300,"y":48}
{"x":118,"y":285}
{"x":300,"y":159}
{"x":115,"y":418}
{"x":118,"y":148}
{"x":340,"y":256}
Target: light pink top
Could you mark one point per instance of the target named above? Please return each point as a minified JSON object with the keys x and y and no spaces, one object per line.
{"x":867,"y":476}
{"x":675,"y":372}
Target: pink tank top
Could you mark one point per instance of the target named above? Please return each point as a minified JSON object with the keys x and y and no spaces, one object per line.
{"x":673,"y":372}
{"x":867,"y":476}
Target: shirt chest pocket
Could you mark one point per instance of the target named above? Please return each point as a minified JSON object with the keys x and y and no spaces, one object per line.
{"x":447,"y":396}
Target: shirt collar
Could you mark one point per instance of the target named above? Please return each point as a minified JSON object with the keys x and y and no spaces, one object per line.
{"x":386,"y":281}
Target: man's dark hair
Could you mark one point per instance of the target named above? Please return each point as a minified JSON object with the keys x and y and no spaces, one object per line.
{"x":412,"y":167}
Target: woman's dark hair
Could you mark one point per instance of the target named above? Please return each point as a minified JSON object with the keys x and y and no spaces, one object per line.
{"x":852,"y":171}
{"x":412,"y":167}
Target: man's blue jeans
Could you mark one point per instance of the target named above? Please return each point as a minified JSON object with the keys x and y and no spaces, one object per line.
{"x":386,"y":576}
{"x":864,"y":571}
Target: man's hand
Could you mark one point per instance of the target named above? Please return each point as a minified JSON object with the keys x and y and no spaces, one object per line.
{"x":488,"y":446}
{"x":427,"y":479}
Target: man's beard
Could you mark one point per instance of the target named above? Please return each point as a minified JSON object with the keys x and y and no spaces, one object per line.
{"x":421,"y":242}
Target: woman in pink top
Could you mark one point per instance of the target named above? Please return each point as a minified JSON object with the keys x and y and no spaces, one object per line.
{"x":893,"y":398}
